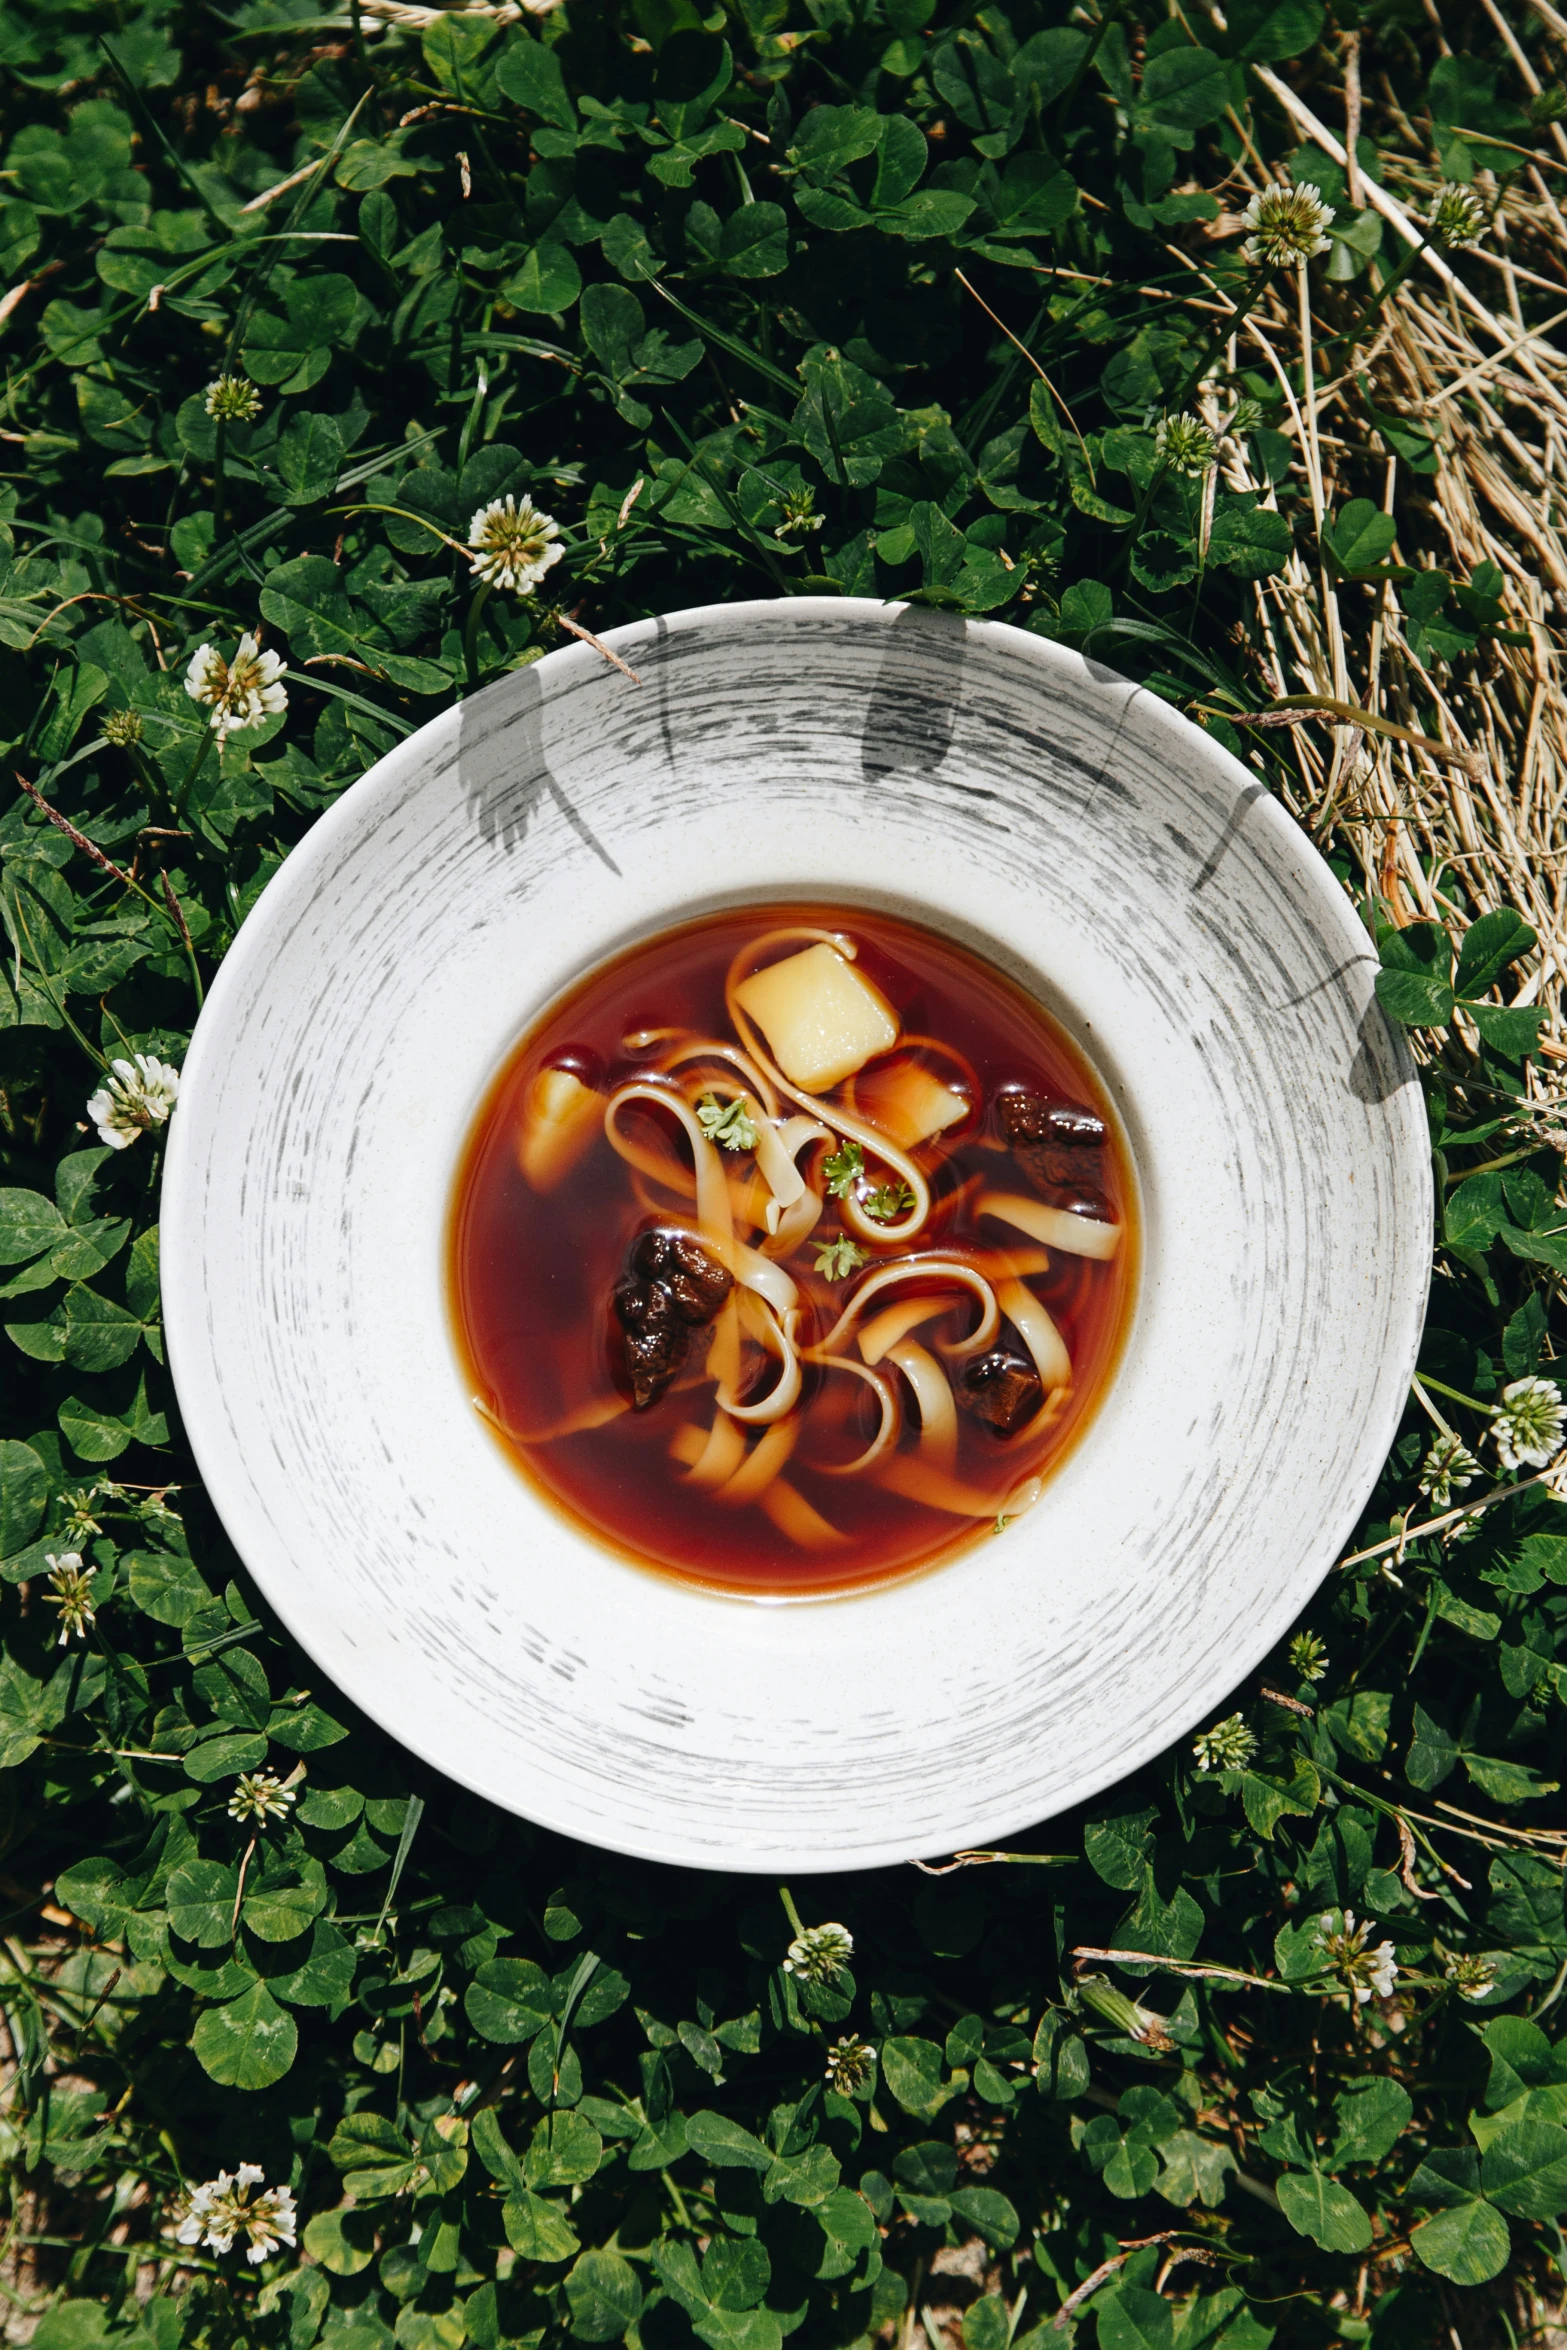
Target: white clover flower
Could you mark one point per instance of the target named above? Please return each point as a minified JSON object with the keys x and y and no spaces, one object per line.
{"x":240,"y":693}
{"x":260,"y":1796}
{"x":122,"y":728}
{"x":1448,"y":1467}
{"x":514,"y":544}
{"x":1289,"y":222}
{"x":1186,"y":445}
{"x":1347,"y":1949}
{"x":136,"y":1094}
{"x":1308,"y":1656}
{"x":233,"y":399}
{"x":849,"y":2065}
{"x":223,"y":2208}
{"x":1470,"y":1975}
{"x":70,"y":1593}
{"x":1527,"y":1431}
{"x":797,"y":513}
{"x":1457,"y":217}
{"x":820,"y":1954}
{"x":79,"y":1507}
{"x":1228,"y":1746}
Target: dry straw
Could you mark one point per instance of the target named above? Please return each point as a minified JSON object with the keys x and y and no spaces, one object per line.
{"x":1454,"y":803}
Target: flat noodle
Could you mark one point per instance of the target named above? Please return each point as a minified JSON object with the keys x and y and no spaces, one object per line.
{"x":961,"y":1197}
{"x":795,"y":1225}
{"x":761,"y":1465}
{"x":714,"y":1217}
{"x":723,"y":1356}
{"x":779,"y":1172}
{"x":877,"y":1337}
{"x":916,"y":1480}
{"x":768,"y":1279}
{"x":1038,"y":1333}
{"x":923,"y":1268}
{"x":1011,"y":1264}
{"x":1074,"y":1236}
{"x":788,"y":1509}
{"x":799,"y":1220}
{"x":642,"y":1193}
{"x":597,"y":1414}
{"x":782,"y":1397}
{"x":938,"y":1412}
{"x":713,"y":1048}
{"x":758,"y":1323}
{"x":889,"y":1429}
{"x":749,"y":1199}
{"x":722,"y":1451}
{"x":795,"y":1133}
{"x":776,"y":1151}
{"x":657,"y":1166}
{"x":793,"y":1516}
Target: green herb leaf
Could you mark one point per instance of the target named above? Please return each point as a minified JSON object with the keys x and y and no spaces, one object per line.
{"x":729,"y":1123}
{"x":840,"y":1257}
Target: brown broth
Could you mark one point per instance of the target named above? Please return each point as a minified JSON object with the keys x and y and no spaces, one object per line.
{"x":531,"y":1275}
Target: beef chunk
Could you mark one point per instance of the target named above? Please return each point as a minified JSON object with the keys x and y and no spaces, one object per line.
{"x":1002,"y":1389}
{"x":1055,"y":1143}
{"x":696,"y":1280}
{"x":674,"y":1285}
{"x":1056,"y":1169}
{"x":1026,"y":1117}
{"x":657,"y":1338}
{"x":1080,"y":1199}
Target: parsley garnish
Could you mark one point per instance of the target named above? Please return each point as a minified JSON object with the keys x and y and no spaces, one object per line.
{"x":727,"y":1122}
{"x":888,"y":1201}
{"x":837,"y":1258}
{"x":847,"y":1162}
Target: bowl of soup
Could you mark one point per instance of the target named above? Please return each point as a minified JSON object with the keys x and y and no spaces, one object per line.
{"x":793,"y":1250}
{"x":802,"y":1259}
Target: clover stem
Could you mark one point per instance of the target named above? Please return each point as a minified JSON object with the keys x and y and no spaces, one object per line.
{"x":470,"y":636}
{"x":193,"y":770}
{"x":1383,"y":295}
{"x":1458,"y":1396}
{"x":1250,"y":293}
{"x":360,"y":50}
{"x":219,"y":452}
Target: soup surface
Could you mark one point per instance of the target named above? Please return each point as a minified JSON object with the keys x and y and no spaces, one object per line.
{"x":792,"y":1250}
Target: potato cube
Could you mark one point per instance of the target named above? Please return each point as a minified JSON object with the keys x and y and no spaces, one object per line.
{"x":822,"y":1019}
{"x":909,"y":1104}
{"x":561,"y":1118}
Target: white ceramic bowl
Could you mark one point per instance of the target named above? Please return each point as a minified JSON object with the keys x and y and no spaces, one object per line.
{"x":1039,"y":809}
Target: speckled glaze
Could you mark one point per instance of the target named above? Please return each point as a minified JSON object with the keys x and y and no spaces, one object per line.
{"x":1042,"y":811}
